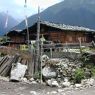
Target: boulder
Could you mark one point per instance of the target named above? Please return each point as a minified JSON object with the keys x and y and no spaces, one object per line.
{"x":18,"y":72}
{"x":49,"y":72}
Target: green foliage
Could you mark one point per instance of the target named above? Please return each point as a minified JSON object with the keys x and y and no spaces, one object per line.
{"x":86,"y":59}
{"x":79,"y":75}
{"x":2,"y":54}
{"x":3,"y":39}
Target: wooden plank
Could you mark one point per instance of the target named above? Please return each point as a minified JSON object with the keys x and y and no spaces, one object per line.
{"x":4,"y":59}
{"x":3,"y":64}
{"x":7,"y":67}
{"x":1,"y":58}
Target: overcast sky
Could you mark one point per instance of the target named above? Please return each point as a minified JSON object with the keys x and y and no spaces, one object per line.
{"x":16,"y":7}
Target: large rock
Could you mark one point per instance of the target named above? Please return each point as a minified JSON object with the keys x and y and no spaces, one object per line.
{"x":18,"y":72}
{"x":49,"y":72}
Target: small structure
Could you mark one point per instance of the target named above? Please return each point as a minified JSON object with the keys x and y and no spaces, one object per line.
{"x":54,"y":32}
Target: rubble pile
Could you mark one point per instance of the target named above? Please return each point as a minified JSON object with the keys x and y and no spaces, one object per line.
{"x":60,"y":68}
{"x":61,"y":72}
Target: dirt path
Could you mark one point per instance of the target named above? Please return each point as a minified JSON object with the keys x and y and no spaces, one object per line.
{"x":10,"y":88}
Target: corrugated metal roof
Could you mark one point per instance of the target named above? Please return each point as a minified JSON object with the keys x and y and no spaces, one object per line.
{"x":60,"y":26}
{"x":67,"y":27}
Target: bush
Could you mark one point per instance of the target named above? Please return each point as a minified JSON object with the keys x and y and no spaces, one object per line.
{"x":79,"y":75}
{"x":2,"y":54}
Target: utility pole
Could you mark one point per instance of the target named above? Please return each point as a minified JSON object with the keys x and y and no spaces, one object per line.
{"x":26,"y":22}
{"x":38,"y":42}
{"x":6,"y":25}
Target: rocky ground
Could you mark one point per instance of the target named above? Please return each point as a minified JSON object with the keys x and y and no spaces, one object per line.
{"x":22,"y":88}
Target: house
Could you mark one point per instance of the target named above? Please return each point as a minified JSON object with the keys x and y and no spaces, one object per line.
{"x":54,"y":32}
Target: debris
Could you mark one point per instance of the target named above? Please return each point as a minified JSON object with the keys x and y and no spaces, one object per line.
{"x":90,"y":81}
{"x":24,"y":79}
{"x":54,"y":92}
{"x":87,"y":82}
{"x":34,"y":82}
{"x":4,"y":78}
{"x":78,"y":85}
{"x":31,"y":79}
{"x":52,"y":83}
{"x":66,"y":84}
{"x":33,"y":92}
{"x":60,"y":90}
{"x":55,"y":83}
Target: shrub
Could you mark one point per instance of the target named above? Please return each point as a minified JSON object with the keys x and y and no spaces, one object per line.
{"x":79,"y":75}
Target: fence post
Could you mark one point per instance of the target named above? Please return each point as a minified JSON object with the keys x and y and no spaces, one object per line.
{"x":51,"y":52}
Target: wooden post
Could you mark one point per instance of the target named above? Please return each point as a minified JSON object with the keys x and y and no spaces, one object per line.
{"x":26,"y":22}
{"x":41,"y":60}
{"x":68,"y":51}
{"x":37,"y":42}
{"x":6,"y":25}
{"x":51,"y":52}
{"x":80,"y":44}
{"x":42,"y":42}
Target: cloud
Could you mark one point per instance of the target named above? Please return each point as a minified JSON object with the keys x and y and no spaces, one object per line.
{"x":16,"y":7}
{"x":42,"y":3}
{"x":33,"y":4}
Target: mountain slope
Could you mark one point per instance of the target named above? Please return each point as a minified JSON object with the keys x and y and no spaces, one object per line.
{"x":11,"y":23}
{"x":72,"y":12}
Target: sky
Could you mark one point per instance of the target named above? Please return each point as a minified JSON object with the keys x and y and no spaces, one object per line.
{"x":17,"y":10}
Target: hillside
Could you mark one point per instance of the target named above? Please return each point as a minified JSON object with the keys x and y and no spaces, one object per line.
{"x":11,"y":23}
{"x":72,"y":12}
